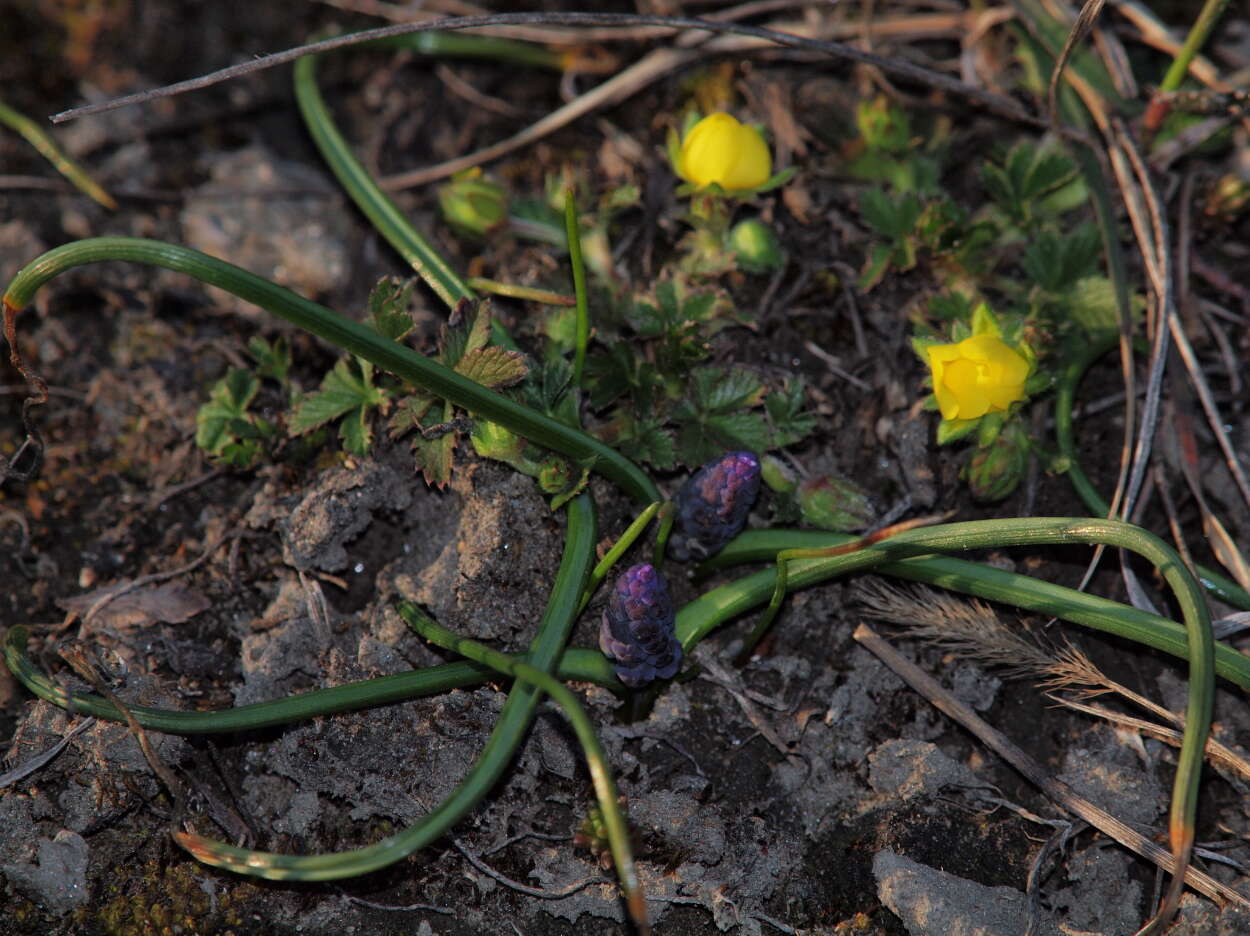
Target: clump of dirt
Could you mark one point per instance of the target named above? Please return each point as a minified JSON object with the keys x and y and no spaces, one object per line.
{"x":808,"y":791}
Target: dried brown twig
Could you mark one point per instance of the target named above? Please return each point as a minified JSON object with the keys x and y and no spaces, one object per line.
{"x":999,"y":104}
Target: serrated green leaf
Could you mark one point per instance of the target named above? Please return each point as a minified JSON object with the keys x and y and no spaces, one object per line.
{"x":790,"y":423}
{"x":237,"y":390}
{"x":433,"y":457}
{"x":467,"y":329}
{"x":610,"y":375}
{"x":740,"y":430}
{"x":1094,"y":305}
{"x":272,"y":360}
{"x":355,"y":432}
{"x":1047,"y":172}
{"x":548,"y":385}
{"x":666,"y":297}
{"x":343,"y":389}
{"x":881,"y":214}
{"x":649,"y":442}
{"x":876,"y":266}
{"x":998,"y":186}
{"x":1043,"y":261}
{"x":723,"y":389}
{"x":699,"y":441}
{"x":647,"y":320}
{"x":389,"y":301}
{"x":699,"y":306}
{"x":241,"y":454}
{"x":229,"y":399}
{"x":493,"y":367}
{"x":408,"y":414}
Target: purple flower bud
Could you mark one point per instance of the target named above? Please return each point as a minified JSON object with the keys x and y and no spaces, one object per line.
{"x":712,"y":506}
{"x":637,"y":629}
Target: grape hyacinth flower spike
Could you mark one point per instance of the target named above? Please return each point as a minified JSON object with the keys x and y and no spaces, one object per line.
{"x":637,"y":632}
{"x":712,"y":506}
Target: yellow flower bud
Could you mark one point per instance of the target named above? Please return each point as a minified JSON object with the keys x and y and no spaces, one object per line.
{"x":979,"y":375}
{"x":721,"y":150}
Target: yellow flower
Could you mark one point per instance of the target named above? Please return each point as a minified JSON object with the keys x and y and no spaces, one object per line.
{"x":979,"y":375}
{"x":721,"y":150}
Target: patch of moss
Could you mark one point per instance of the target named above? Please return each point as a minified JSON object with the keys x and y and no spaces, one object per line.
{"x":163,"y":900}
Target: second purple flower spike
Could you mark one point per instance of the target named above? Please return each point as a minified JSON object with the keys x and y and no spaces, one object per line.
{"x":637,"y":630}
{"x":712,"y":506}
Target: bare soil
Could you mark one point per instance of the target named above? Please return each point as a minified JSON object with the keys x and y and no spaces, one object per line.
{"x":810,"y":791}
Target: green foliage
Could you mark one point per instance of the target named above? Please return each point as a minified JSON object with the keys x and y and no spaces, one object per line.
{"x":889,"y":151}
{"x":272,"y":360}
{"x":463,"y":347}
{"x":832,"y":503}
{"x":896,"y":222}
{"x":1054,"y":261}
{"x":347,"y":394}
{"x":661,"y":402}
{"x":389,"y":302}
{"x":350,"y":391}
{"x":1027,"y":176}
{"x":353,"y":390}
{"x":1044,"y":273}
{"x":910,"y":227}
{"x":225,"y":429}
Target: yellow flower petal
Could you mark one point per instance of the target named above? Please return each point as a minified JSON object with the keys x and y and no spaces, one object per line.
{"x":719,"y":149}
{"x":979,"y":375}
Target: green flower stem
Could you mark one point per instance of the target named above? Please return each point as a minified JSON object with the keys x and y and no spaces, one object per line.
{"x":514,"y":720}
{"x":596,"y":760}
{"x":1212,"y":10}
{"x":43,"y":143}
{"x":1041,"y":531}
{"x":346,"y":334}
{"x":575,"y":666}
{"x":573,"y":232}
{"x":1218,"y":586}
{"x":958,"y":575}
{"x":369,"y":198}
{"x":619,"y":548}
{"x":668,"y":514}
{"x":693,"y":622}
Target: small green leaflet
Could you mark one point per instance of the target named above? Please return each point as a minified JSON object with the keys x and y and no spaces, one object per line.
{"x":647,"y":440}
{"x":223,"y":426}
{"x":717,"y":415}
{"x":389,"y":302}
{"x":215,"y":422}
{"x":347,"y":392}
{"x":463,"y":346}
{"x":272,"y":360}
{"x":785,"y":411}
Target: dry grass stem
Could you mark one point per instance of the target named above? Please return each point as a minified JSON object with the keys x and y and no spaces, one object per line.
{"x":1218,"y":754}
